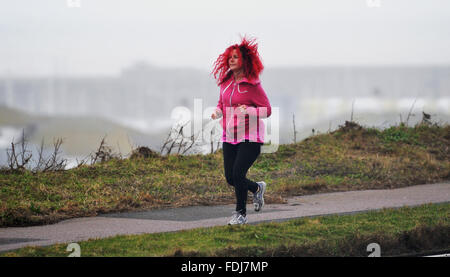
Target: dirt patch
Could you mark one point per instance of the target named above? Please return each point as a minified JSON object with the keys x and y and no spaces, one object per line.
{"x":143,"y":152}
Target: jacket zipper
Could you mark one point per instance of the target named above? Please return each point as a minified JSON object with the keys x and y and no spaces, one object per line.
{"x":231,"y":95}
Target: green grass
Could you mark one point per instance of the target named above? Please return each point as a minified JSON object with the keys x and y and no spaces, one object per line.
{"x":398,"y":231}
{"x":349,"y":158}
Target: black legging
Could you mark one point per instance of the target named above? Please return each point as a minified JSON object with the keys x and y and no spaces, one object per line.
{"x":238,"y":158}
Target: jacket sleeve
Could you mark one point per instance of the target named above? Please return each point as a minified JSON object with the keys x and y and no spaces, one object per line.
{"x":261,"y":102}
{"x":219,"y":104}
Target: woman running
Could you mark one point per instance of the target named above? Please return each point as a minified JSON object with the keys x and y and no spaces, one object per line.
{"x":242,"y":104}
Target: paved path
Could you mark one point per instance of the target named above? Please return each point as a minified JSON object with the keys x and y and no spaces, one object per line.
{"x":78,"y":229}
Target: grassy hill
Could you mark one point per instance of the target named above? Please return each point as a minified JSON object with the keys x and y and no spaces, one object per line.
{"x":349,"y":158}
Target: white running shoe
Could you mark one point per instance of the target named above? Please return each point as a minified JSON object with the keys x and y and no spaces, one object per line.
{"x":238,"y":219}
{"x":258,"y":197}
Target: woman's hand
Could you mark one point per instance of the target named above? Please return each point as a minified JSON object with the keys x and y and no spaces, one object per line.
{"x":217,"y":114}
{"x":243,"y":109}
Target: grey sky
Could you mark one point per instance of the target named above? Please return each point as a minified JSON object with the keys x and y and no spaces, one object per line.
{"x":102,"y":36}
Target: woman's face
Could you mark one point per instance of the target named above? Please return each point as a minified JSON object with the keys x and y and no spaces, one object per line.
{"x":233,"y":61}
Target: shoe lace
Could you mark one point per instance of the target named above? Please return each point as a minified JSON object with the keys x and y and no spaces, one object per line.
{"x":237,"y":214}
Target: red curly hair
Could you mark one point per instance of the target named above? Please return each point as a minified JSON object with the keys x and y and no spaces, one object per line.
{"x":248,"y":57}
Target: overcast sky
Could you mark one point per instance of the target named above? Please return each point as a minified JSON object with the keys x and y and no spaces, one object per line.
{"x":103,"y":36}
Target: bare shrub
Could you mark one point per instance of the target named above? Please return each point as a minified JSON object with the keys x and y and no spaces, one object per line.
{"x":180,"y":142}
{"x":103,"y":153}
{"x":177,"y":139}
{"x":18,"y":159}
{"x":54,"y":162}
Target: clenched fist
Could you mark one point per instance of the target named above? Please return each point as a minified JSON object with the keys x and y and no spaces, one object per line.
{"x":216,"y":114}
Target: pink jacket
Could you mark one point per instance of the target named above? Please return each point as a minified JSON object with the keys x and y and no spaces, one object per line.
{"x":238,"y":126}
